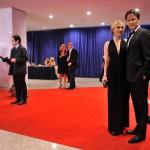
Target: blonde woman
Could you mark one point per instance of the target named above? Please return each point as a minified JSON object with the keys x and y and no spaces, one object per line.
{"x":115,"y":75}
{"x":62,"y":66}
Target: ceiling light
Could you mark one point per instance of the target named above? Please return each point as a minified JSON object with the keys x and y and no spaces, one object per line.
{"x":102,"y":23}
{"x":89,"y":13}
{"x":71,"y":25}
{"x":51,"y":16}
{"x":137,"y":9}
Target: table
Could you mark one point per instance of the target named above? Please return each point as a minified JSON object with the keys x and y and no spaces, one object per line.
{"x":46,"y":73}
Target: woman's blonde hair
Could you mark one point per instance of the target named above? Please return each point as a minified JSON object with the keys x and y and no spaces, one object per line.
{"x":116,"y":22}
{"x":61,"y":47}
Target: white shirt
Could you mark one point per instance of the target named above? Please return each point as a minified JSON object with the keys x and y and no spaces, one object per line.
{"x":17,"y":46}
{"x":69,"y":54}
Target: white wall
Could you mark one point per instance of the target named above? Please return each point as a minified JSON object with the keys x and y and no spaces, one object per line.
{"x":12,"y":21}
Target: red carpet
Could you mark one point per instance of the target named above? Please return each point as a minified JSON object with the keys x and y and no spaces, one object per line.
{"x":76,"y":118}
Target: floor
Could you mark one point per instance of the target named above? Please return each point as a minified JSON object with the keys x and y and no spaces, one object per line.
{"x":80,"y":82}
{"x":13,"y":141}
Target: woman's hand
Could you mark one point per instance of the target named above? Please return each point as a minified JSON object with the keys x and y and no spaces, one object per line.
{"x":104,"y":79}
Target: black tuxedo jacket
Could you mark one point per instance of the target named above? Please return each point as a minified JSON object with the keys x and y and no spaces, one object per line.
{"x":73,"y":58}
{"x":21,"y":57}
{"x":138,"y":55}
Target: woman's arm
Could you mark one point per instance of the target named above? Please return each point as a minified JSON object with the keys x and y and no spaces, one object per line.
{"x":106,"y":60}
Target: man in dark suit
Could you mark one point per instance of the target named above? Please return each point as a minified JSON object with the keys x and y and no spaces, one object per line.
{"x":138,"y":72}
{"x":18,"y":59}
{"x":72,"y":64}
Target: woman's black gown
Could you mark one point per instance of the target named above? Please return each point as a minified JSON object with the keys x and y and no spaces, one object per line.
{"x":118,"y":92}
{"x":62,"y":64}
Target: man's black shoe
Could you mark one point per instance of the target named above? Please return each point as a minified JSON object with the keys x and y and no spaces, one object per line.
{"x":136,"y":139}
{"x":21,"y":102}
{"x":70,"y":88}
{"x":15,"y":102}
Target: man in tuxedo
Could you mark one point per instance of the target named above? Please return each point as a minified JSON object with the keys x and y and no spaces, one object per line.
{"x":138,"y":73}
{"x":18,"y":59}
{"x":72,"y":65}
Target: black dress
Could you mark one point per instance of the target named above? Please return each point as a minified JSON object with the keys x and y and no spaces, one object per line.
{"x":62,"y":64}
{"x":118,"y":92}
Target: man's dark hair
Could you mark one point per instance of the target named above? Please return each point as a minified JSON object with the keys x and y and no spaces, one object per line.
{"x":17,"y":38}
{"x":134,"y":12}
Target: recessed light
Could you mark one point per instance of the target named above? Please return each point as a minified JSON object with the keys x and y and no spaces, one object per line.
{"x":89,"y":13}
{"x":51,"y":16}
{"x":137,"y":9}
{"x":102,"y":23}
{"x":71,"y":25}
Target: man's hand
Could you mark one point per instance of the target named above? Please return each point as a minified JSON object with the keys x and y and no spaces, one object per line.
{"x":69,"y":64}
{"x":13,"y":60}
{"x":144,"y":77}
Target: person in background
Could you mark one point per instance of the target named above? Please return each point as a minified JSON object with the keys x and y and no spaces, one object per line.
{"x":138,"y":72}
{"x":68,"y":79}
{"x":12,"y":89}
{"x":46,"y":62}
{"x":52,"y":62}
{"x":18,"y":59}
{"x":115,"y":75}
{"x":62,"y":65}
{"x":72,"y":65}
